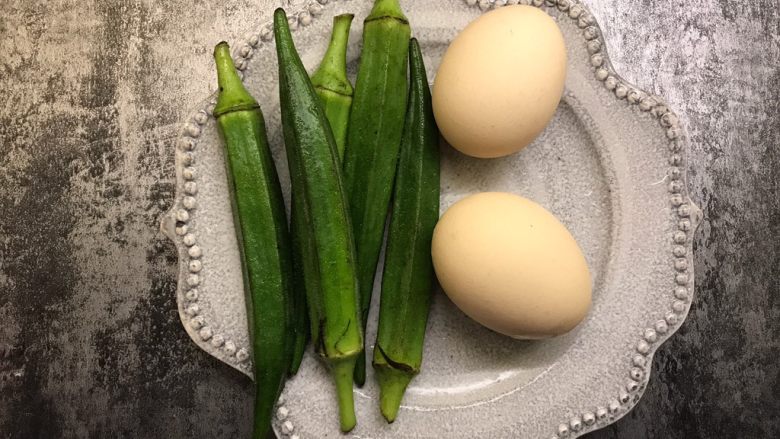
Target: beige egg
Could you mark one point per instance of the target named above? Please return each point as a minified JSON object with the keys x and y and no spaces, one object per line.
{"x":510,"y":265}
{"x":500,"y":81}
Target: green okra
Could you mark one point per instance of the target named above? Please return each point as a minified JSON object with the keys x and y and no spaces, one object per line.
{"x":408,"y":271}
{"x":328,"y":253}
{"x":261,"y":228}
{"x":373,"y":138}
{"x":335,"y":92}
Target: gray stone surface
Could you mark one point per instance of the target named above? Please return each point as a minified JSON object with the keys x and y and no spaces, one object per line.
{"x":90,"y":340}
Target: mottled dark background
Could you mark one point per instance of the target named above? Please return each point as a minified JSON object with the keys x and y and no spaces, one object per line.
{"x":91,"y":345}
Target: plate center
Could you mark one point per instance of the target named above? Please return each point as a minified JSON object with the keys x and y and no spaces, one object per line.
{"x":560,"y":170}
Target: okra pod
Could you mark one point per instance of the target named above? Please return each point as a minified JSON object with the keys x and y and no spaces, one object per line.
{"x":261,"y":229}
{"x":319,"y":196}
{"x":408,"y":270}
{"x":373,"y":138}
{"x":335,"y":92}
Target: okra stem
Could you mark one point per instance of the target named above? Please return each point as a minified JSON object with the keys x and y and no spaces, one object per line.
{"x":232,"y":94}
{"x":342,"y":375}
{"x":332,"y":69}
{"x":331,"y":83}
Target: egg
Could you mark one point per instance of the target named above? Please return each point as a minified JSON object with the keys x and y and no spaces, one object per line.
{"x":500,"y":81}
{"x":509,"y":264}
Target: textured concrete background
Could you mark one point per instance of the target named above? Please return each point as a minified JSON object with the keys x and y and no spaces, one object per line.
{"x":90,"y":340}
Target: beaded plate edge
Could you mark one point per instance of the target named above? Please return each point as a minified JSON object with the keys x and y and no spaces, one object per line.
{"x":174,"y":223}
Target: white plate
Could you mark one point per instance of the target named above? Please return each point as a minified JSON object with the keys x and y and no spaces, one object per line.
{"x":611,"y":166}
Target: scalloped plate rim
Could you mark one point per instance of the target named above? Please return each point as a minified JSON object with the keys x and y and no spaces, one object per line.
{"x":169,"y":219}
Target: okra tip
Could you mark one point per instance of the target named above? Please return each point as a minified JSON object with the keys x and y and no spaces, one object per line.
{"x":360,"y":371}
{"x":416,"y":62}
{"x":280,"y":15}
{"x":342,"y":374}
{"x":414,"y":47}
{"x":392,"y":386}
{"x":282,"y":32}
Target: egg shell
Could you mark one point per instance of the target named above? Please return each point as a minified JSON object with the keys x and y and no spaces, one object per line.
{"x":510,"y":265}
{"x":500,"y":81}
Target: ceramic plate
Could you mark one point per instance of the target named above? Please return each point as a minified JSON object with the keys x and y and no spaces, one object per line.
{"x":610,"y":165}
